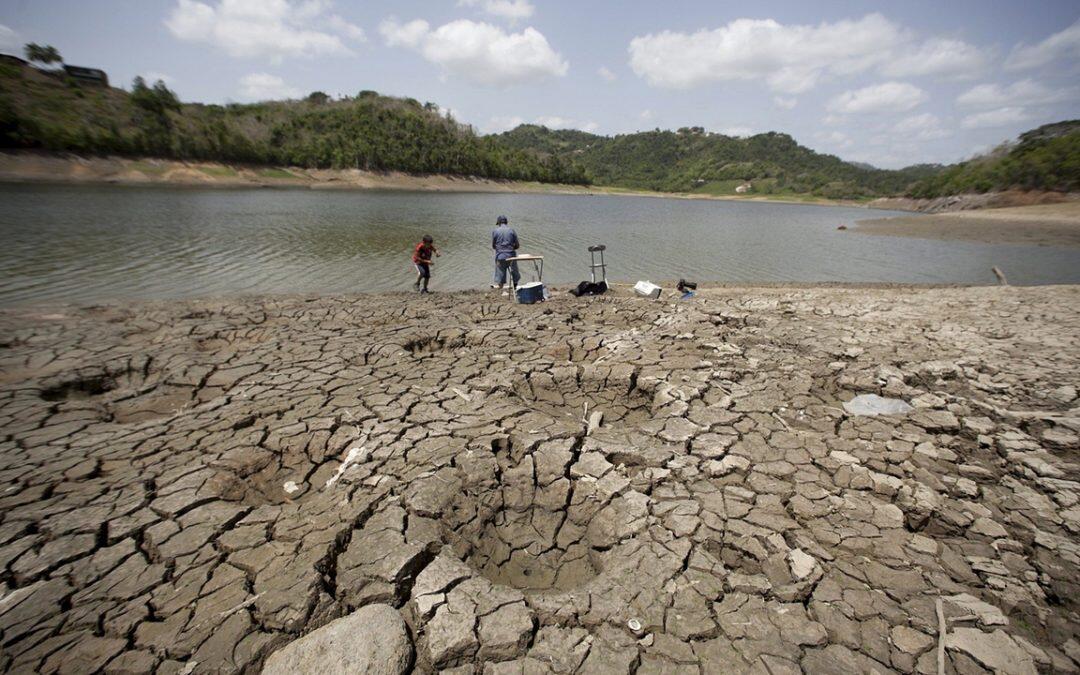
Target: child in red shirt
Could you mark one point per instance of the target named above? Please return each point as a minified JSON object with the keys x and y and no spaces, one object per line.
{"x":421,"y":258}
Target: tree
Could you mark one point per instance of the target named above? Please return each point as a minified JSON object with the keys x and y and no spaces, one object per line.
{"x":43,"y":54}
{"x":317,"y":97}
{"x":157,"y":100}
{"x":155,"y":127}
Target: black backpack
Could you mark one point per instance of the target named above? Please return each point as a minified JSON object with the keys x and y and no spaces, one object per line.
{"x":589,"y":288}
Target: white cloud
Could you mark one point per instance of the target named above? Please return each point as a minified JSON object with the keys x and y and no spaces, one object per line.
{"x":497,"y":124}
{"x":404,"y":34}
{"x":9,"y":40}
{"x":272,"y":29}
{"x":605,"y":73}
{"x":938,"y":56}
{"x":737,"y":132}
{"x":513,"y":10}
{"x":1059,"y":46}
{"x":479,"y":52}
{"x":995,"y":118}
{"x":885,"y":97}
{"x":924,"y":127}
{"x":1024,"y":92}
{"x":785,"y":103}
{"x":790,"y":58}
{"x":834,"y":139}
{"x":154,"y":76}
{"x":556,"y":122}
{"x":265,"y":87}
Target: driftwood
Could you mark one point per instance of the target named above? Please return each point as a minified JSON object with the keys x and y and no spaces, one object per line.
{"x":1000,"y":276}
{"x":941,"y":628}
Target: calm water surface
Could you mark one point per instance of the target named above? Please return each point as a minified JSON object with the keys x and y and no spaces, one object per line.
{"x":95,"y":244}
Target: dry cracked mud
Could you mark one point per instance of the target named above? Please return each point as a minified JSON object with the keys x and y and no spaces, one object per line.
{"x":188,"y":487}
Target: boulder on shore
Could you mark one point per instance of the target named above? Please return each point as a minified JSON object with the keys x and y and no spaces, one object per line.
{"x":372,"y":640}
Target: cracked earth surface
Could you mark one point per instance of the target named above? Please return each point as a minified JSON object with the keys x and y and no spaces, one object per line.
{"x":188,"y":487}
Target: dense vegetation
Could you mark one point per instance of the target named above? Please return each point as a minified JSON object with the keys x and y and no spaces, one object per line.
{"x":693,"y":160}
{"x":40,"y":109}
{"x":1047,"y":158}
{"x":44,"y":108}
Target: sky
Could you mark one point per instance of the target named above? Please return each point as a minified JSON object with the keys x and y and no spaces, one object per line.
{"x":887,"y":83}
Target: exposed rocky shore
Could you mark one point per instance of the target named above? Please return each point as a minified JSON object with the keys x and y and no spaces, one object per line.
{"x":1042,"y":225}
{"x":457,"y":483}
{"x":973,"y":201}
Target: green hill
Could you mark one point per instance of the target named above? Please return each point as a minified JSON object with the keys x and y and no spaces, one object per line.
{"x":1047,"y":158}
{"x":47,"y":110}
{"x":693,"y":160}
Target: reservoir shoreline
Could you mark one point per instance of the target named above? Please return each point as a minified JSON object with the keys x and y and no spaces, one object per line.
{"x":62,"y":169}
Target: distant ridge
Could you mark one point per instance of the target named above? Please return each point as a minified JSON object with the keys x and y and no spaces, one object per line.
{"x":692,"y":159}
{"x":1044,"y":159}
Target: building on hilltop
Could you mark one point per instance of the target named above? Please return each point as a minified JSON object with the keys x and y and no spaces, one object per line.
{"x":87,"y":75}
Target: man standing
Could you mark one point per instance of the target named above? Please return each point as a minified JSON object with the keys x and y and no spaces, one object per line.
{"x":504,"y":242}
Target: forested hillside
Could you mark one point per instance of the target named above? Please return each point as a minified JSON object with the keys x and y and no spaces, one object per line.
{"x":45,"y":109}
{"x":40,"y":109}
{"x":693,"y":160}
{"x":1047,"y":158}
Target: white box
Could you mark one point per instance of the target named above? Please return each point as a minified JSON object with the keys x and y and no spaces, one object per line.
{"x":647,"y":289}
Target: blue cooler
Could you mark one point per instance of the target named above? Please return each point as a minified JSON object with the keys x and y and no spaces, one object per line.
{"x":531,"y":292}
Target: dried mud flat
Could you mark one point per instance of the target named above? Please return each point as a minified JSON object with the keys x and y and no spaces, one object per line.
{"x":192,"y":487}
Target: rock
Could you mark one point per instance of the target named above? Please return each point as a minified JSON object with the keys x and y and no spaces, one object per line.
{"x":373,"y":639}
{"x":1064,"y":395}
{"x":1072,"y":649}
{"x":802,"y":565}
{"x":995,"y":651}
{"x":910,"y":641}
{"x":988,"y":528}
{"x":936,"y":420}
{"x":988,"y":615}
{"x":505,"y":632}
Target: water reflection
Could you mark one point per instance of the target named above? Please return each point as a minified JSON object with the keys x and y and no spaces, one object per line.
{"x":91,"y":244}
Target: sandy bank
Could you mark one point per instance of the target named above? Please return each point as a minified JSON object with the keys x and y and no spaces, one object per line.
{"x":36,"y":167}
{"x":596,"y":485}
{"x":1042,"y":225}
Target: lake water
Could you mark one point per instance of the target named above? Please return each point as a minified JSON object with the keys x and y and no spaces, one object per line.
{"x":94,"y":244}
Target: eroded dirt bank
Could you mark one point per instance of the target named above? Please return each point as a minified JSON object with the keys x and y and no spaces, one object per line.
{"x":191,"y":486}
{"x":41,"y":167}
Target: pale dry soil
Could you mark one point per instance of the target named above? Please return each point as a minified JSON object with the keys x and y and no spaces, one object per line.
{"x":42,"y":167}
{"x":1040,"y":225}
{"x":190,"y":486}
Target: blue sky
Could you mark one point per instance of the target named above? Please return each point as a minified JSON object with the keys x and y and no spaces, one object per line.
{"x":886,"y":83}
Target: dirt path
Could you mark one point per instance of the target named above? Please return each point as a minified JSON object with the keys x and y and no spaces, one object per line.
{"x":599,"y":485}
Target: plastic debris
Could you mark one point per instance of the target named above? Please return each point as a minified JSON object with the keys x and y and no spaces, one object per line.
{"x":291,"y":487}
{"x":595,"y":420}
{"x":872,"y":404}
{"x":356,"y":454}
